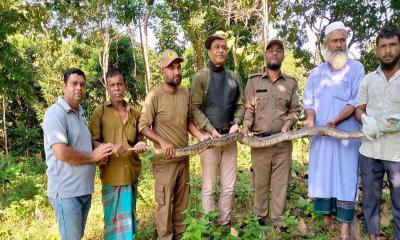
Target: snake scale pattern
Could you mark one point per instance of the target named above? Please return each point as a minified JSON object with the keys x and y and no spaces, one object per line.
{"x":259,"y":142}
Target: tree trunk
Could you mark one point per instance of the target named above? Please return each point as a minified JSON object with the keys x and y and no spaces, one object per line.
{"x":143,"y":43}
{"x":234,"y":53}
{"x":5,"y":126}
{"x":197,"y":46}
{"x":132,"y":38}
{"x":265,"y":23}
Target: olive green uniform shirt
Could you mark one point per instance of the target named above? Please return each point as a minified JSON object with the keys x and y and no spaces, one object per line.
{"x":107,"y":127}
{"x":268,"y":104}
{"x":168,"y":115}
{"x":198,"y":93}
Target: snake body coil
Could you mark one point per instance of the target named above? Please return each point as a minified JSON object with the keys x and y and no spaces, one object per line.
{"x":259,"y":142}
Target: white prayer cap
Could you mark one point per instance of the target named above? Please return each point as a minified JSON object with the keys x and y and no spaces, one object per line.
{"x":334,"y":26}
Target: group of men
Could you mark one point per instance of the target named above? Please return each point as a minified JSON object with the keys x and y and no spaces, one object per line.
{"x":337,"y":94}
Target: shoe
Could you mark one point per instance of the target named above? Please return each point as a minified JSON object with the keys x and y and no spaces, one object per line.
{"x":261,"y":222}
{"x":282,"y":229}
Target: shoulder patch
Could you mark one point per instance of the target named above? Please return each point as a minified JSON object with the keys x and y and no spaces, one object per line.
{"x":289,"y":77}
{"x":254,"y":75}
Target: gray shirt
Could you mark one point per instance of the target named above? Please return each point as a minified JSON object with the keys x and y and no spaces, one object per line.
{"x":383,"y":99}
{"x":62,"y":125}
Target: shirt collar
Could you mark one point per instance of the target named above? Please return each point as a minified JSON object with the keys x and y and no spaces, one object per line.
{"x":67,"y":108}
{"x":265,"y":74}
{"x":109,"y":104}
{"x":380,"y":72}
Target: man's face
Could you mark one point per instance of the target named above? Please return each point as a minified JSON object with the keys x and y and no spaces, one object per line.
{"x":274,"y":57}
{"x":74,"y":89}
{"x":116,"y":88}
{"x":336,"y":41}
{"x":172,"y":74}
{"x":217,"y":52}
{"x":388,"y":51}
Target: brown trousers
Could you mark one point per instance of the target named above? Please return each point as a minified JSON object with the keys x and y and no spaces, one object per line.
{"x":270,"y":172}
{"x":172,"y":196}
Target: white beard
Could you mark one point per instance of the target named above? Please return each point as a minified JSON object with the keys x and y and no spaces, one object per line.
{"x":337,"y":59}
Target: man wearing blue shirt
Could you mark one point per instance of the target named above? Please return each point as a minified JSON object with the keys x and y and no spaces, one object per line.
{"x":69,"y":157}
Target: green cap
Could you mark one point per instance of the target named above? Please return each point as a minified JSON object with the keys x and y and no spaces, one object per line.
{"x":211,"y":38}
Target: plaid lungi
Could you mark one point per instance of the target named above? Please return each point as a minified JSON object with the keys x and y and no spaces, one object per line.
{"x":342,"y":210}
{"x":119,"y":203}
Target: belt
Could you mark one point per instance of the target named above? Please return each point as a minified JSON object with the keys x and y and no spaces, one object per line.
{"x":266,"y":134}
{"x":222,"y":130}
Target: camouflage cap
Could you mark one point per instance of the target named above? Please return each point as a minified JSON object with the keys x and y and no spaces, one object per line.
{"x":211,"y":38}
{"x":167,"y":57}
{"x":274,"y":41}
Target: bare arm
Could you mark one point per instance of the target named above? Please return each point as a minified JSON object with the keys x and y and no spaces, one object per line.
{"x":346,"y":112}
{"x":310,"y":116}
{"x":66,"y":153}
{"x":360,"y":110}
{"x":166,"y":146}
{"x":194,"y":130}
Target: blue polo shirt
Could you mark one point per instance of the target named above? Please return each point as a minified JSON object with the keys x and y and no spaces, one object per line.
{"x":62,"y":125}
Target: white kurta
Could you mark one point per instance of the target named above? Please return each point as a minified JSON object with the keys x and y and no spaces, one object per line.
{"x":333,"y":163}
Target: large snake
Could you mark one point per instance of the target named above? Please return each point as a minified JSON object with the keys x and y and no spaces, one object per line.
{"x":259,"y":142}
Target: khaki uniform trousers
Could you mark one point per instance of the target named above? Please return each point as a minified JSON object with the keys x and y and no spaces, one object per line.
{"x":172,"y":195}
{"x":270,"y":172}
{"x":222,"y":161}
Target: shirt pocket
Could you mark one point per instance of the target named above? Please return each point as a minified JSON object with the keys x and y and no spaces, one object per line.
{"x":283,"y":101}
{"x":342,"y":91}
{"x":261,"y":98}
{"x":394,"y":94}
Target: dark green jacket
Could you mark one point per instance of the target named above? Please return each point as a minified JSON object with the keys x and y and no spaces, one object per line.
{"x":198,"y":94}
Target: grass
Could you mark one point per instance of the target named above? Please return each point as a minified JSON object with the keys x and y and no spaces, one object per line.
{"x":26,"y":214}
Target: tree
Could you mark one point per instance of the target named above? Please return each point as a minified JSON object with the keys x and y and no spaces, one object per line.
{"x":16,"y":16}
{"x":364,"y":20}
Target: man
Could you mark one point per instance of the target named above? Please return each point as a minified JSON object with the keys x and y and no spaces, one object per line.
{"x":218,"y":109}
{"x":272,"y":106}
{"x":69,"y":157}
{"x":329,"y":99}
{"x":117,"y":122}
{"x":166,"y":120}
{"x":378,"y":108}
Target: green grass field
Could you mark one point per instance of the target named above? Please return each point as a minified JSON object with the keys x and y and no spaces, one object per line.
{"x":26,"y":214}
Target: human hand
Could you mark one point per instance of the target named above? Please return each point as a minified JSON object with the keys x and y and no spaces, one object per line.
{"x":331,"y":123}
{"x":234,"y":128}
{"x":204,"y":137}
{"x":286,"y":126}
{"x":215,"y":134}
{"x":394,"y":118}
{"x":168,"y":148}
{"x":308,"y":123}
{"x":101,"y":152}
{"x":119,"y":150}
{"x":370,"y":127}
{"x":140,"y":147}
{"x":102,"y":162}
{"x":245,"y":131}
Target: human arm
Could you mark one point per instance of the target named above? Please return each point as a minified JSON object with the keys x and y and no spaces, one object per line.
{"x":294,"y":109}
{"x":239,"y":107}
{"x":66,"y":153}
{"x":346,"y":112}
{"x":249,"y":104}
{"x":197,"y":92}
{"x":166,"y":146}
{"x":197,"y":133}
{"x":309,"y":103}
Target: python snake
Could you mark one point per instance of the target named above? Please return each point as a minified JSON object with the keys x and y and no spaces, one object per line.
{"x":259,"y":142}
